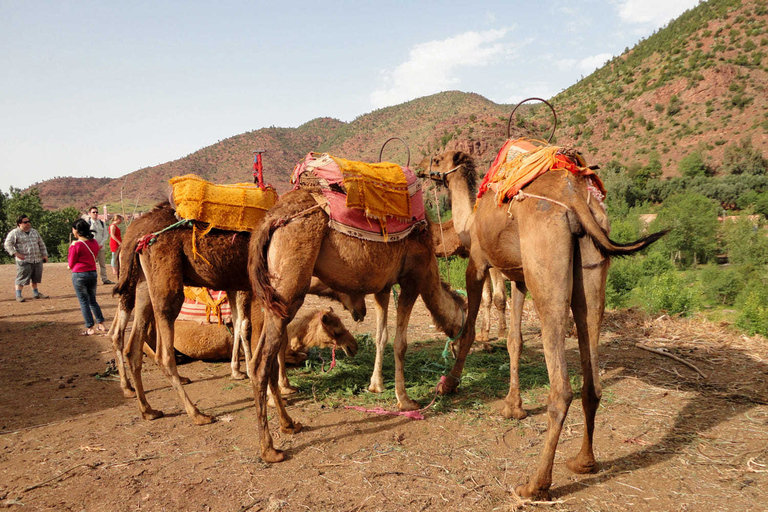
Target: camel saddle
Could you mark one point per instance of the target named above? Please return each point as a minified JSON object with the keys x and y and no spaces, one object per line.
{"x":521,"y":161}
{"x":239,"y":207}
{"x":380,"y":202}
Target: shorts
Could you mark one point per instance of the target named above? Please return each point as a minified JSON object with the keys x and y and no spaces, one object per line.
{"x":26,"y":272}
{"x":114,"y":260}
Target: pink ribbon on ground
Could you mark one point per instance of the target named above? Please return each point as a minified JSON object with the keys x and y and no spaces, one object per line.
{"x":414,"y":415}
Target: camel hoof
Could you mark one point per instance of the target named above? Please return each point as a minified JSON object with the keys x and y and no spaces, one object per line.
{"x":482,"y":338}
{"x":238,"y":375}
{"x":527,"y":491}
{"x":581,"y":468}
{"x":408,"y":405}
{"x":517,"y":413}
{"x":151,"y":414}
{"x":272,"y":455}
{"x":129,"y":393}
{"x":203,"y":419}
{"x":376,"y":388}
{"x":184,"y":380}
{"x":481,"y":346}
{"x":271,"y":401}
{"x":288,"y":390}
{"x":294,"y":428}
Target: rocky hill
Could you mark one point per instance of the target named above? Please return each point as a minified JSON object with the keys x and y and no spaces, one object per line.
{"x":697,"y":85}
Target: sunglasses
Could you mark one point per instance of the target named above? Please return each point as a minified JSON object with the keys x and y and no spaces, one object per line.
{"x":25,"y":222}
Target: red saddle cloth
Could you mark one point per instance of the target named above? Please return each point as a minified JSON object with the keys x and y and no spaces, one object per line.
{"x":324,"y":172}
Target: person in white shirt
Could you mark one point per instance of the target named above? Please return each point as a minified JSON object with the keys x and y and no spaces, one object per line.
{"x":101,"y":235}
{"x":27,"y":247}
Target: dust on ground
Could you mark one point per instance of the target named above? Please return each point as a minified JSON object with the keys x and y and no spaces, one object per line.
{"x":668,"y":436}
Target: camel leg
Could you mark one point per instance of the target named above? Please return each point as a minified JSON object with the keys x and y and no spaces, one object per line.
{"x":513,"y":404}
{"x":141,"y":331}
{"x":500,"y":299}
{"x":485,"y":314}
{"x":405,"y":302}
{"x":550,"y":284}
{"x":240,"y":323}
{"x":117,"y":336}
{"x":588,"y":304}
{"x":382,"y":336}
{"x":264,"y":373}
{"x":475,"y":278}
{"x":167,"y":295}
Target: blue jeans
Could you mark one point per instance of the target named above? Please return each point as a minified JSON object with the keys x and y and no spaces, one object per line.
{"x":85,"y":289}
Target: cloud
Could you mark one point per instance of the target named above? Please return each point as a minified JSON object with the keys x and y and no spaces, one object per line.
{"x":586,"y":65}
{"x":435,"y":66}
{"x":656,"y":12}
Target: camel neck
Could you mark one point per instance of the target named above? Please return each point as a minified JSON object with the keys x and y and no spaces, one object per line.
{"x":462,"y":204}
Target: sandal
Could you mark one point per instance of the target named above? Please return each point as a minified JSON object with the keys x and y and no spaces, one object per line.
{"x":86,"y":333}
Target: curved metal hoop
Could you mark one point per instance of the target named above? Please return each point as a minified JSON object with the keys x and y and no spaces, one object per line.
{"x":404,"y":144}
{"x":554,"y":114}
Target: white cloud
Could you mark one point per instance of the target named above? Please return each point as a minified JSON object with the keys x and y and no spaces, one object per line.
{"x":434,"y":66}
{"x":656,"y":12}
{"x":584,"y":66}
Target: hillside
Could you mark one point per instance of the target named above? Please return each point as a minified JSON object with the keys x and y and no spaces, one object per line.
{"x":697,"y":85}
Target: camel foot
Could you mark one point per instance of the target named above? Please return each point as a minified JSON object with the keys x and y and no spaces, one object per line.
{"x":184,"y":380}
{"x":151,"y":414}
{"x":129,"y":393}
{"x":481,"y":346}
{"x":376,"y":388}
{"x":272,"y":455}
{"x":511,"y":412}
{"x":529,"y":491}
{"x":408,"y":405}
{"x":482,"y":337}
{"x":447,"y":385}
{"x":580,"y":467}
{"x":238,"y":375}
{"x":203,"y":419}
{"x":288,"y":390}
{"x":293,"y":428}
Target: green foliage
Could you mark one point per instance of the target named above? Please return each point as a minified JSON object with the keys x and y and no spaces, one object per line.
{"x":693,"y":165}
{"x":746,"y":241}
{"x":675,"y":105}
{"x":692,"y":219}
{"x":669,"y":293}
{"x":752,"y":303}
{"x":627,"y":274}
{"x":721,"y":285}
{"x":453,"y":271}
{"x":742,"y":158}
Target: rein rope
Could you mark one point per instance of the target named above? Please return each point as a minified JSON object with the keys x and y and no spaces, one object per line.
{"x":149,"y":239}
{"x":521,"y":196}
{"x":333,"y":359}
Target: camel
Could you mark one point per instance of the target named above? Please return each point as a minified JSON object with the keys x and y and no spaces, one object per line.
{"x":554,"y":244}
{"x":218,"y":260}
{"x":294,"y":243}
{"x":448,"y":243}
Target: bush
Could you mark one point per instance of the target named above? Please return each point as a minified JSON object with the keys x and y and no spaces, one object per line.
{"x":753,"y":305}
{"x":453,"y":271}
{"x":668,"y":293}
{"x":746,"y":241}
{"x":721,"y":285}
{"x":692,"y":219}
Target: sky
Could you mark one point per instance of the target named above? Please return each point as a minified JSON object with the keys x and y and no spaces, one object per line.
{"x":103,"y":88}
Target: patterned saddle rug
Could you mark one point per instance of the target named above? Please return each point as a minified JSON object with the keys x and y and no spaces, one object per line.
{"x":521,"y":161}
{"x":378,"y":202}
{"x":239,"y":207}
{"x":203,"y":306}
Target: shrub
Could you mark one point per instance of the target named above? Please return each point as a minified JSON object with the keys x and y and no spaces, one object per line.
{"x":746,"y":241}
{"x":693,"y":165}
{"x":752,"y":303}
{"x":721,"y":285}
{"x":668,"y":293}
{"x":453,"y":271}
{"x":692,"y":219}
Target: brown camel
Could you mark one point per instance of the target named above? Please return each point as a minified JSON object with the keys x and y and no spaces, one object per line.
{"x":448,"y":243}
{"x":540,"y":243}
{"x":293,"y":244}
{"x":218,"y":261}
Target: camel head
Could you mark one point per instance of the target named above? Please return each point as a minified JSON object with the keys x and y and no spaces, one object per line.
{"x":447,"y":166}
{"x":334,"y":328}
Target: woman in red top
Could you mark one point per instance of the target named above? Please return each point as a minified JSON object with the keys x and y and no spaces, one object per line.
{"x":82,"y":263}
{"x":115,"y":240}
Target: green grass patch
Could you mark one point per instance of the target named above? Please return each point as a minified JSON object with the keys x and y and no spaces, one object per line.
{"x":486,"y":376}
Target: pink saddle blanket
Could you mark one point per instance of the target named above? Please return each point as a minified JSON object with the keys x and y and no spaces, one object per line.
{"x":325,"y":172}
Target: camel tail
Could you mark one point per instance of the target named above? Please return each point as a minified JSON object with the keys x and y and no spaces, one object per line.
{"x":605,"y":245}
{"x":259,"y":270}
{"x":128,"y":278}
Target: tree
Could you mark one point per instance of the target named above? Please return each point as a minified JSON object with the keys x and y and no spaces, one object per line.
{"x":692,"y":219}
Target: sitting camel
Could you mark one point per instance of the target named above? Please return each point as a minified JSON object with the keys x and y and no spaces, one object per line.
{"x":217,"y":260}
{"x":551,"y":241}
{"x":296,"y":242}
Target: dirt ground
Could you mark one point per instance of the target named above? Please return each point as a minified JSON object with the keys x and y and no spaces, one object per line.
{"x":668,"y":438}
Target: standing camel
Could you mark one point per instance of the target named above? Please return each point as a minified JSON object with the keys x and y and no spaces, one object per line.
{"x":218,"y":260}
{"x":294,"y":243}
{"x":539,"y":242}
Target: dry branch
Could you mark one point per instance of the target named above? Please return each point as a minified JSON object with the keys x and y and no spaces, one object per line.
{"x":664,"y":352}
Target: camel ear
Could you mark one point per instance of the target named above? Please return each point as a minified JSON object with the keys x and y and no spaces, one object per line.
{"x":458,"y":157}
